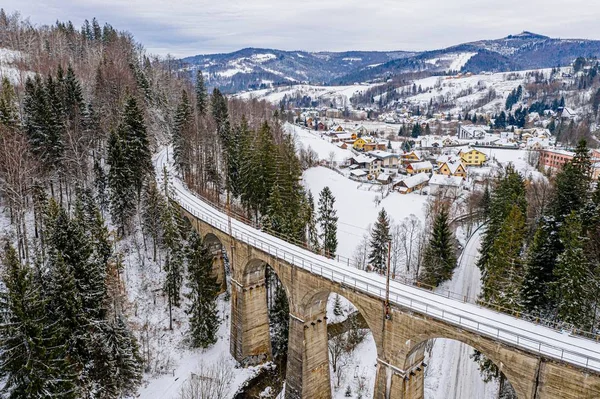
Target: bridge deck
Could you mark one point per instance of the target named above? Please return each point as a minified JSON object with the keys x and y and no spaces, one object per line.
{"x":519,"y":333}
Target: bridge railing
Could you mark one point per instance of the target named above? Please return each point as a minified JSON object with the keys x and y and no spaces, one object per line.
{"x":318,"y":265}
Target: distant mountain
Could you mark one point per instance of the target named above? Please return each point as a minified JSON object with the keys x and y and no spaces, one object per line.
{"x":253,"y":68}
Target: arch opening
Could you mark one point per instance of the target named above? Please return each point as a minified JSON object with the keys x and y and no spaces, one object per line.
{"x":221,"y":266}
{"x":454,"y":369}
{"x":269,"y":292}
{"x":351,"y":345}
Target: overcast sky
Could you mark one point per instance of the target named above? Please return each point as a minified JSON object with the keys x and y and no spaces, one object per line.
{"x":189,"y":27}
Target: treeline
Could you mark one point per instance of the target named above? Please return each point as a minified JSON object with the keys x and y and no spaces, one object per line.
{"x":539,"y":253}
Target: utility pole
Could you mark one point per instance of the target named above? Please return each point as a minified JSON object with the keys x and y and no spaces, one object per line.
{"x":387,"y":283}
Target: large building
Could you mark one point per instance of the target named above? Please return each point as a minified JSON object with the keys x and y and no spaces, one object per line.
{"x":555,"y":158}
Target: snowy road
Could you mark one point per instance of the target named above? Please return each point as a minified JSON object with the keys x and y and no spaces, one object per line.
{"x":452,"y":374}
{"x":501,"y":327}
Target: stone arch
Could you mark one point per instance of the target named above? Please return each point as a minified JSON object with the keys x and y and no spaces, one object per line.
{"x":504,"y":358}
{"x":254,"y":273}
{"x":219,"y":251}
{"x":315,"y":302}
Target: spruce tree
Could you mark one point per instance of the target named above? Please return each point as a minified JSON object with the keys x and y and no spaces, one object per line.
{"x":153,"y":204}
{"x":121,"y":183}
{"x":380,"y":239}
{"x":279,"y":316}
{"x":504,"y":273}
{"x":540,"y":263}
{"x":313,"y":235}
{"x":337,"y":306}
{"x":31,"y":366}
{"x":132,"y":130}
{"x":439,"y":259}
{"x":181,"y":125}
{"x":174,"y":253}
{"x":328,"y":222}
{"x":572,"y":290}
{"x":203,"y":289}
{"x":9,"y":113}
{"x":201,"y":94}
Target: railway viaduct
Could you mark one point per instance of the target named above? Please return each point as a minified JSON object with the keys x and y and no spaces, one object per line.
{"x":400,"y":338}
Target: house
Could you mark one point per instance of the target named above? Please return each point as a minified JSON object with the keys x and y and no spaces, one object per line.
{"x":384,"y":178}
{"x":471,"y":132}
{"x":472,"y":157}
{"x":321,"y":126}
{"x":359,"y":144}
{"x":555,"y":158}
{"x":409,"y":157}
{"x":337,"y":137}
{"x":381,"y":146}
{"x":442,"y":159}
{"x":455,"y":168}
{"x":568,"y":113}
{"x":445,"y":185}
{"x":362,"y":161}
{"x":358,"y":173}
{"x":342,"y":145}
{"x":337,"y":128}
{"x":537,"y":143}
{"x":412,"y":183}
{"x":419,"y":167}
{"x":385,"y":159}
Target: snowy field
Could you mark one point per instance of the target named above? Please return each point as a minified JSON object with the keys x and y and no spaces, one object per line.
{"x":356,"y":206}
{"x":339,"y":95}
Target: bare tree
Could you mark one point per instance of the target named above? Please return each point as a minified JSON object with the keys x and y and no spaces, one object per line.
{"x":338,"y":357}
{"x":361,"y":252}
{"x":209,"y":382}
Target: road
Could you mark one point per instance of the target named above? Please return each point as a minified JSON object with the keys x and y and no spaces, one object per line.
{"x":452,"y":374}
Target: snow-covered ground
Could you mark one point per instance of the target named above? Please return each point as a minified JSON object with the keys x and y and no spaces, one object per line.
{"x":356,"y":206}
{"x":7,"y":59}
{"x":451,"y":374}
{"x":339,"y":95}
{"x":318,"y":142}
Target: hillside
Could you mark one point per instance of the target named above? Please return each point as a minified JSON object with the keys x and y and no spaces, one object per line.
{"x":259,"y":68}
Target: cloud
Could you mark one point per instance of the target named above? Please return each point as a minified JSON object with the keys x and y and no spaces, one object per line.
{"x":186,"y":27}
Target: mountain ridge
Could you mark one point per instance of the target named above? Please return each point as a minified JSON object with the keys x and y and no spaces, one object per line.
{"x":252,"y":68}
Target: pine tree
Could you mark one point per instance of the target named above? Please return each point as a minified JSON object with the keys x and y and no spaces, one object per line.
{"x":312,"y":234}
{"x":337,"y":306}
{"x":279,"y":318}
{"x":181,"y":125}
{"x":174,"y":254}
{"x":439,"y":260}
{"x":572,"y":290}
{"x":201,"y":95}
{"x":380,"y":239}
{"x":132,"y":130}
{"x":328,"y":222}
{"x":503,"y":277}
{"x":572,"y":184}
{"x":101,"y":186}
{"x":540,"y":263}
{"x":120,"y":182}
{"x":9,"y":113}
{"x":30,"y":365}
{"x":153,"y":204}
{"x":203,"y":289}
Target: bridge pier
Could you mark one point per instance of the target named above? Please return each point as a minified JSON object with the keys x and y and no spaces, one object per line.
{"x":394,"y":383}
{"x":218,"y":269}
{"x":250,"y":340}
{"x":308,"y":362}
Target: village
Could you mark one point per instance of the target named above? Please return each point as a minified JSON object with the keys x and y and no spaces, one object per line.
{"x":434,"y":164}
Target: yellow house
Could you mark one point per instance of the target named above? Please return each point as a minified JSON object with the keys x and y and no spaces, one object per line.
{"x":452,"y":169}
{"x":473,"y":157}
{"x":409,"y":157}
{"x":339,"y":129}
{"x":359,"y":144}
